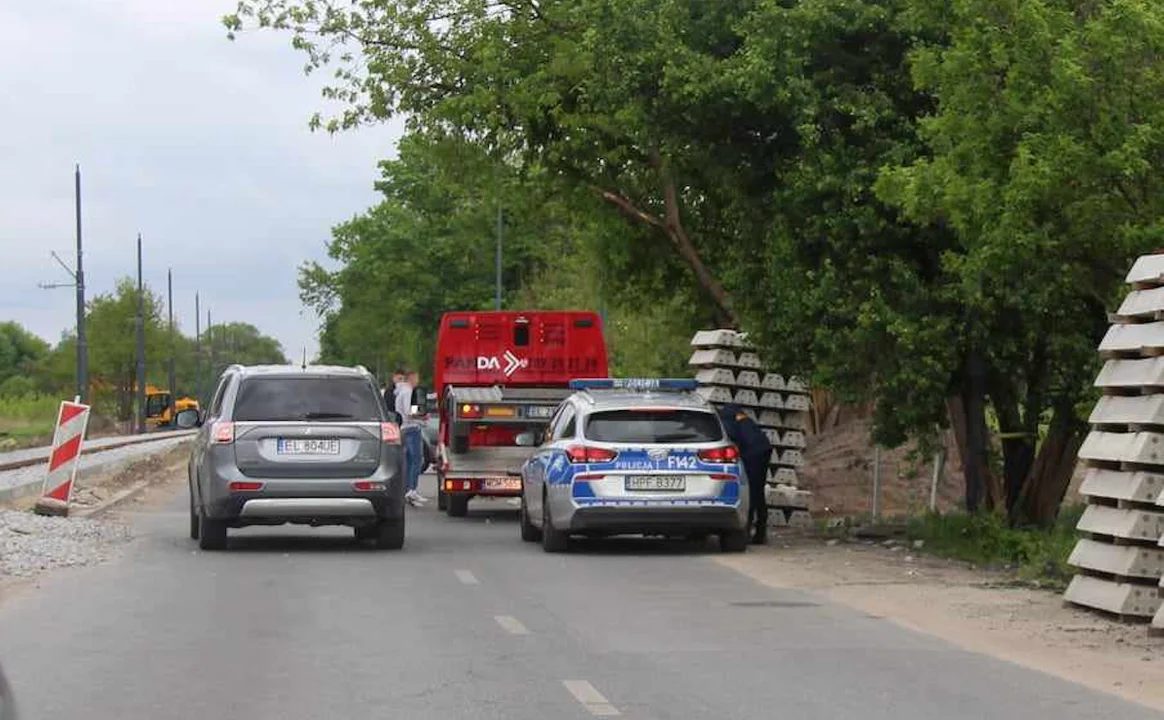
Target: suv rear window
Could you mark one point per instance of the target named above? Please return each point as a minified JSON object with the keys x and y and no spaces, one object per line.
{"x":322,"y":399}
{"x":653,"y":426}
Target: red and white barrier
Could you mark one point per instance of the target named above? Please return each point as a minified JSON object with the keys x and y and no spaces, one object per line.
{"x":72,"y":421}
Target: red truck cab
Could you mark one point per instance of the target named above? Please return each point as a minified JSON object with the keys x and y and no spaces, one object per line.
{"x":496,"y":375}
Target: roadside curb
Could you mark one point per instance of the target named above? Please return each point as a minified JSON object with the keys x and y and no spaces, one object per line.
{"x":119,"y":498}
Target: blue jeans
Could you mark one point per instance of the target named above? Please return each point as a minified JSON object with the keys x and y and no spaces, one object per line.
{"x":413,"y":456}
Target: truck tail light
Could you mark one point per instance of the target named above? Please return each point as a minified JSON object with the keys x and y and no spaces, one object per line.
{"x":584,"y":454}
{"x":726,"y":454}
{"x":390,"y":433}
{"x":470,"y":411}
{"x":224,"y":433}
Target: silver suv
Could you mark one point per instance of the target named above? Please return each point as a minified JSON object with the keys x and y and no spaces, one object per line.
{"x":311,"y":446}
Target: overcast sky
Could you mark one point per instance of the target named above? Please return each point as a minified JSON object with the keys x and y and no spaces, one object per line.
{"x":199,"y":143}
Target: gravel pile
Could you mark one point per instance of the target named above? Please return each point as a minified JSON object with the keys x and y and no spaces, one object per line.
{"x":31,"y":543}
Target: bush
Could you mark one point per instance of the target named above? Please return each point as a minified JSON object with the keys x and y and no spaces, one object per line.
{"x":17,"y":386}
{"x":28,"y":417}
{"x":1038,"y":554}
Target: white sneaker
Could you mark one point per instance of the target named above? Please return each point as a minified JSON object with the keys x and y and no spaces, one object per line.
{"x":418,"y":498}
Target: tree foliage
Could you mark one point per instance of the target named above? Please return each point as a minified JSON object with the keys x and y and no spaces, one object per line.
{"x":20,"y":351}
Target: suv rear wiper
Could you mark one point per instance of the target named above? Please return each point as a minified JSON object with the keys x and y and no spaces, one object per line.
{"x":327,"y":416}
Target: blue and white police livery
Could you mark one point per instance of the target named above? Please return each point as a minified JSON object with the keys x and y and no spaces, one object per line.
{"x":634,"y":456}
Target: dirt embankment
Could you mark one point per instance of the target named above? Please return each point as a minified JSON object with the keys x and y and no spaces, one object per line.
{"x":838,"y":469}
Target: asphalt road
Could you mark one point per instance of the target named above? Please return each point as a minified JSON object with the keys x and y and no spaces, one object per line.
{"x":469,"y":622}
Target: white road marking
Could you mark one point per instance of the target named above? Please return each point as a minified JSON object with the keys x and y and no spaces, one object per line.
{"x":511,"y":624}
{"x":590,"y":698}
{"x":466,"y":577}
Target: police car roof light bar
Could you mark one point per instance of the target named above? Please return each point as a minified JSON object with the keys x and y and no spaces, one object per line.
{"x":636,"y":384}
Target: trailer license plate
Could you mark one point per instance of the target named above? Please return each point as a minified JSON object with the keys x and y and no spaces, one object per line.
{"x":501,"y":484}
{"x":314,"y":446}
{"x":656,"y":483}
{"x":540,"y":411}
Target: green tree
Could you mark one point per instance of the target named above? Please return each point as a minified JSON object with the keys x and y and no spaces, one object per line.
{"x":20,"y":353}
{"x":1045,"y":148}
{"x":111,"y":323}
{"x":237,"y":343}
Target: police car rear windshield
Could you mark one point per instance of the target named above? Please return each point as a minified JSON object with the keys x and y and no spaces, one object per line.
{"x":658,"y":427}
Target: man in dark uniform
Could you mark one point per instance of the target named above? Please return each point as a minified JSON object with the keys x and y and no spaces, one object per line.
{"x":756,"y":453}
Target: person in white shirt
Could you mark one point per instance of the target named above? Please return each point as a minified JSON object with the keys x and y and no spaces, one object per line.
{"x":412,"y":438}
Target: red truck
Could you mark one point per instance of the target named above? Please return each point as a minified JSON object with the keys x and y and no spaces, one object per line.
{"x":496,"y":375}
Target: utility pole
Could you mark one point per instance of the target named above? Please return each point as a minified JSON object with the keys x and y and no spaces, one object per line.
{"x":78,"y":283}
{"x":82,"y":341}
{"x":170,"y":308}
{"x":210,"y":341}
{"x":141,"y":409}
{"x":198,"y":352}
{"x":500,"y":231}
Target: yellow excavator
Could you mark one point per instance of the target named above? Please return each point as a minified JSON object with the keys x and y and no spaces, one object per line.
{"x":158,"y":411}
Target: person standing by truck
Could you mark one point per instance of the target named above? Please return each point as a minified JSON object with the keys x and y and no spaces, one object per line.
{"x":410,"y":432}
{"x":756,"y":452}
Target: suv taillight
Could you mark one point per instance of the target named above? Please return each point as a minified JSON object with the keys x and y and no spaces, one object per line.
{"x":390,"y":433}
{"x":583,"y":454}
{"x":224,"y":432}
{"x":726,"y":454}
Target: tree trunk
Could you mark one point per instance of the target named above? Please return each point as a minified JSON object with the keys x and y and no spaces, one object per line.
{"x":1018,"y":448}
{"x":1043,"y":490}
{"x":968,"y":417}
{"x":956,"y":409}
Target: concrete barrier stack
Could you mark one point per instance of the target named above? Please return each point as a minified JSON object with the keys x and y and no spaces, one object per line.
{"x":729,"y":371}
{"x":1119,"y":558}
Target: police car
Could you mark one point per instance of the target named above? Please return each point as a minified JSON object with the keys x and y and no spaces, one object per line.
{"x":633,"y":456}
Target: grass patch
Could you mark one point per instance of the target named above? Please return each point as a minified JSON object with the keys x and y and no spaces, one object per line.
{"x":1038,"y":555}
{"x":27,"y":420}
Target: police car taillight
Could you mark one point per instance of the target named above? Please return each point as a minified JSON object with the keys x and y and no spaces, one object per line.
{"x":727,"y":454}
{"x":583,"y":454}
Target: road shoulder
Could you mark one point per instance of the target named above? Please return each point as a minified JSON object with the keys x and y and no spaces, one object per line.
{"x":980,"y":611}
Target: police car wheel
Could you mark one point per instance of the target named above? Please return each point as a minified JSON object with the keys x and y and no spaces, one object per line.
{"x":529,"y":533}
{"x":553,"y":540}
{"x":734,"y":541}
